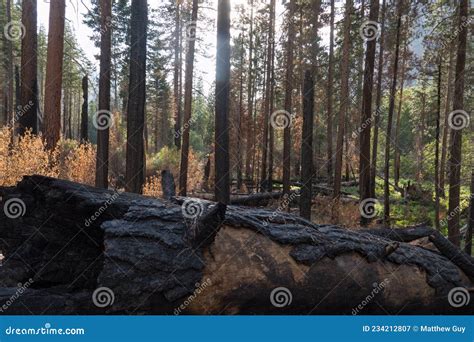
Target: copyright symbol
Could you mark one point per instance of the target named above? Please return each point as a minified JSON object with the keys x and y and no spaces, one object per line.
{"x":415,"y":328}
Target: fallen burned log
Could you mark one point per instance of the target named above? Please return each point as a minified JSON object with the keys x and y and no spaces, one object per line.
{"x":73,"y":249}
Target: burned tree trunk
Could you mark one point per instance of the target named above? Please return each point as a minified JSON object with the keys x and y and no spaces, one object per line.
{"x":67,"y":243}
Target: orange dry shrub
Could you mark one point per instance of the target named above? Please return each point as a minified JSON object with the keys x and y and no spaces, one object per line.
{"x":79,"y":164}
{"x":27,"y":155}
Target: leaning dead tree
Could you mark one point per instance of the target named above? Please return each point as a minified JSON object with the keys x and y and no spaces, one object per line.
{"x":68,"y":242}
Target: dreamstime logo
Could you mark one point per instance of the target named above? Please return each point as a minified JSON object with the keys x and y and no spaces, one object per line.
{"x":281,"y":119}
{"x":102,"y":120}
{"x":14,"y":30}
{"x":367,"y":207}
{"x":281,"y":297}
{"x":191,"y":30}
{"x":192,"y":209}
{"x":458,"y":296}
{"x":369,"y":30}
{"x":102,"y":297}
{"x":458,"y":119}
{"x":14,"y":208}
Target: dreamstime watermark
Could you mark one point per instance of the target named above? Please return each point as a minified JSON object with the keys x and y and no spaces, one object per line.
{"x":458,"y":297}
{"x":185,"y":126}
{"x":377,"y":287}
{"x":20,"y":111}
{"x":458,"y":119}
{"x":102,"y":208}
{"x":281,"y":297}
{"x":103,"y":297}
{"x":369,"y":30}
{"x":14,"y":208}
{"x":46,"y":330}
{"x":367,"y":207}
{"x":21,"y":288}
{"x":454,"y":34}
{"x":366,"y":124}
{"x":283,"y":205}
{"x":102,"y":119}
{"x":450,"y":215}
{"x":192,"y":209}
{"x":199,"y":288}
{"x":14,"y":30}
{"x":281,"y":119}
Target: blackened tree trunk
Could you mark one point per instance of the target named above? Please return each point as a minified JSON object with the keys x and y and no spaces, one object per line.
{"x":344,"y":98}
{"x":9,"y":107}
{"x":103,"y":115}
{"x":85,"y":109}
{"x":271,"y":133}
{"x":135,"y":168}
{"x":268,"y":90}
{"x":29,"y":61}
{"x":176,"y":77}
{"x":54,"y":73}
{"x":456,"y":134}
{"x":249,"y":117}
{"x":222,"y":182}
{"x":288,"y":99}
{"x":373,"y":167}
{"x":391,"y":108}
{"x":470,"y":226}
{"x":188,"y":99}
{"x":366,"y":118}
{"x":329,"y":136}
{"x":307,"y":147}
{"x":437,"y":131}
{"x":241,"y":116}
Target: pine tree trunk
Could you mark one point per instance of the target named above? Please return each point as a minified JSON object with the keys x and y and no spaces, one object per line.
{"x":188,"y":94}
{"x":391,"y":108}
{"x":344,"y":98}
{"x":444,"y":146}
{"x":222,"y":182}
{"x":29,"y":61}
{"x":307,"y":147}
{"x":366,"y":118}
{"x":103,"y":113}
{"x":470,"y":226}
{"x":396,"y":164}
{"x":54,"y":70}
{"x":8,"y":46}
{"x":268,"y":90}
{"x":135,"y":156}
{"x":329,"y":135}
{"x":241,"y":116}
{"x":419,"y":140}
{"x":85,"y":110}
{"x":456,"y":134}
{"x":436,"y":166}
{"x":288,"y":99}
{"x":249,"y":117}
{"x":378,"y":99}
{"x":176,"y":79}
